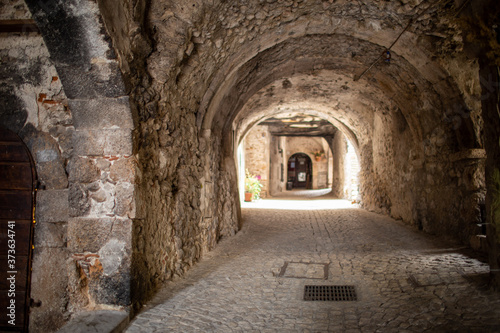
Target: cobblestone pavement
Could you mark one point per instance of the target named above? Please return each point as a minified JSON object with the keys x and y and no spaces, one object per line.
{"x":405,"y":281}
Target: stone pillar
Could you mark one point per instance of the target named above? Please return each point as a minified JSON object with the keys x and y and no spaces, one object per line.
{"x":101,"y":203}
{"x":489,"y":79}
{"x":339,"y":150}
{"x":102,"y":168}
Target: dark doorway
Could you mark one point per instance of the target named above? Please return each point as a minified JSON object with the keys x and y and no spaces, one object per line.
{"x":300,"y":171}
{"x":17,"y":201}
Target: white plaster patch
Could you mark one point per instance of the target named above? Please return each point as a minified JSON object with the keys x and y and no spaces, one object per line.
{"x":111,"y":256}
{"x":163,"y":160}
{"x":106,"y":204}
{"x":28,"y":95}
{"x":46,"y":155}
{"x":375,"y":25}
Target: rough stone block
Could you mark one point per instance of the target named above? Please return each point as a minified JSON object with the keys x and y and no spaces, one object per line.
{"x":118,"y":142}
{"x":122,"y":230}
{"x":88,"y":234}
{"x":48,"y":286}
{"x":123,"y":170}
{"x":89,"y":143}
{"x":79,"y":84}
{"x":99,"y":321}
{"x":52,"y":235}
{"x":88,"y":114}
{"x":49,"y":163}
{"x":52,"y":175}
{"x":52,"y":206}
{"x":113,"y":290}
{"x":82,"y":170}
{"x":124,"y":200}
{"x":112,"y":255}
{"x":78,"y":199}
{"x":103,"y":142}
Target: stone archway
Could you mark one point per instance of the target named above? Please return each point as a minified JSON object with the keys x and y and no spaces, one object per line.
{"x":155,"y":184}
{"x":97,"y":205}
{"x":17,"y":205}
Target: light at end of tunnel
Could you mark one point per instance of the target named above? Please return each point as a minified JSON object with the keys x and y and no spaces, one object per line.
{"x":303,"y":126}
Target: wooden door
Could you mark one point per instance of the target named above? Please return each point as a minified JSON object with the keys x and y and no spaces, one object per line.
{"x":299,"y":170}
{"x":17,"y":202}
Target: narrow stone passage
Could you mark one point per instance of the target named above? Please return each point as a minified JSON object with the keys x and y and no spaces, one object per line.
{"x":405,"y":281}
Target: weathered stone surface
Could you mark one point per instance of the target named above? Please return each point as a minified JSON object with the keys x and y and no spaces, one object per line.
{"x":89,"y":113}
{"x":78,"y":198}
{"x":124,"y":200}
{"x":103,"y":80}
{"x":51,"y":235}
{"x":52,"y":206}
{"x":102,"y":142}
{"x":48,"y":159}
{"x":87,"y":71}
{"x":49,"y":283}
{"x":123,"y":170}
{"x":88,"y":234}
{"x":82,"y":170}
{"x":100,"y":321}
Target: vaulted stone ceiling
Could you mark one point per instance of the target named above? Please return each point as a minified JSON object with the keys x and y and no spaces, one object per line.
{"x":239,"y":49}
{"x":225,"y":66}
{"x":229,"y":52}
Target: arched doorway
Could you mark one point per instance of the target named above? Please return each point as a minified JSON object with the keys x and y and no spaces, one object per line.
{"x":299,"y":171}
{"x":17,"y":202}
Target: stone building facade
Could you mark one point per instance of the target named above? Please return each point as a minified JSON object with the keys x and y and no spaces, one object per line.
{"x":133,"y":112}
{"x":268,"y":160}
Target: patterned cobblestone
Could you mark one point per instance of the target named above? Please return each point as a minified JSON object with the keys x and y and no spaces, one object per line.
{"x":405,"y":281}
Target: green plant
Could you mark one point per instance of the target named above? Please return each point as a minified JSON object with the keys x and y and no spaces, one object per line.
{"x":253,"y":185}
{"x":317,"y":153}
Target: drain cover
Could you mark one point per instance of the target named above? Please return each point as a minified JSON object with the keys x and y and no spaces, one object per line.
{"x":330,"y":293}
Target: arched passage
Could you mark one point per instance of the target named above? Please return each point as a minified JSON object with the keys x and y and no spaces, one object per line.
{"x":155,"y":179}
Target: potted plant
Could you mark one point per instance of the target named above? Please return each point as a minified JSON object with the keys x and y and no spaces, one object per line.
{"x":317,"y":155}
{"x":252,"y":187}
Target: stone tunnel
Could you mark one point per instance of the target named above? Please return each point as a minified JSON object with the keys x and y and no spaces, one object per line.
{"x":133,"y":111}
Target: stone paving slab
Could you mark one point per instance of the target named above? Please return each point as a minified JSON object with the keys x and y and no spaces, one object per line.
{"x":405,"y":281}
{"x":101,"y":321}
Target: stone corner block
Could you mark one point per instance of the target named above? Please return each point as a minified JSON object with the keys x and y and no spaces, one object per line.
{"x":102,"y":113}
{"x":52,"y":206}
{"x":98,"y":320}
{"x":82,"y":170}
{"x":50,"y":235}
{"x":88,"y":234}
{"x":103,"y":142}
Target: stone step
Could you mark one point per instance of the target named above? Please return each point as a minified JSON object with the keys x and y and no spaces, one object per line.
{"x":101,"y":321}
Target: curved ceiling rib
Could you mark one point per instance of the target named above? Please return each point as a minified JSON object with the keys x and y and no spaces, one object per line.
{"x":326,"y":65}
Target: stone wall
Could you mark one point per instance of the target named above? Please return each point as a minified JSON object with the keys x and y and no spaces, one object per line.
{"x":351,"y":172}
{"x":308,"y":145}
{"x":83,"y":158}
{"x":34,"y":105}
{"x":187,"y":188}
{"x":151,"y":182}
{"x":257,"y":150}
{"x":228,"y":72}
{"x":339,"y":148}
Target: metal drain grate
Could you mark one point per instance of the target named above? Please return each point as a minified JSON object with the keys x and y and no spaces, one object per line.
{"x":330,"y":293}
